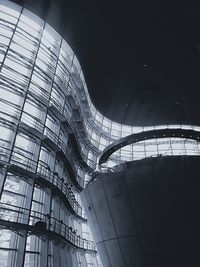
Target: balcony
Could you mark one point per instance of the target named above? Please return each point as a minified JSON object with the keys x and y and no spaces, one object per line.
{"x":14,"y":217}
{"x":44,"y":175}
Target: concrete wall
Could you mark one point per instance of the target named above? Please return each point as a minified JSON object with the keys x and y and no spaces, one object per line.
{"x":148,"y":214}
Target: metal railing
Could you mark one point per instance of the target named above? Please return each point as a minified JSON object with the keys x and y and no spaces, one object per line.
{"x":55,"y":180}
{"x":66,"y":151}
{"x":20,"y":160}
{"x":150,"y":135}
{"x":43,"y":223}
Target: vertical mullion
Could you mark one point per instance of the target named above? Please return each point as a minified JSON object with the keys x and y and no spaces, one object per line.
{"x":8,"y":47}
{"x":14,"y":134}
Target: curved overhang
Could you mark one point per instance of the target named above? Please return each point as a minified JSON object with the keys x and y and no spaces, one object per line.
{"x":147,"y":135}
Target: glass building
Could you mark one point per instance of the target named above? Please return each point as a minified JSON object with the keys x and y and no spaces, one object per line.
{"x":51,"y":138}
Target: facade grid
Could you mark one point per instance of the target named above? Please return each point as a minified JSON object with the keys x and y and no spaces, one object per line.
{"x":51,"y":137}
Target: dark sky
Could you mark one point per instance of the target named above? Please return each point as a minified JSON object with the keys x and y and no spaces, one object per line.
{"x":141,"y":58}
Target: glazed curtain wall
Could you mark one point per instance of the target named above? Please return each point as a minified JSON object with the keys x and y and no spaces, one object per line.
{"x":43,"y":102}
{"x":36,"y":77}
{"x":48,"y":67}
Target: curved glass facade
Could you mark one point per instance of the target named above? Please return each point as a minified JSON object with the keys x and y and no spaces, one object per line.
{"x":41,"y":214}
{"x":51,"y":136}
